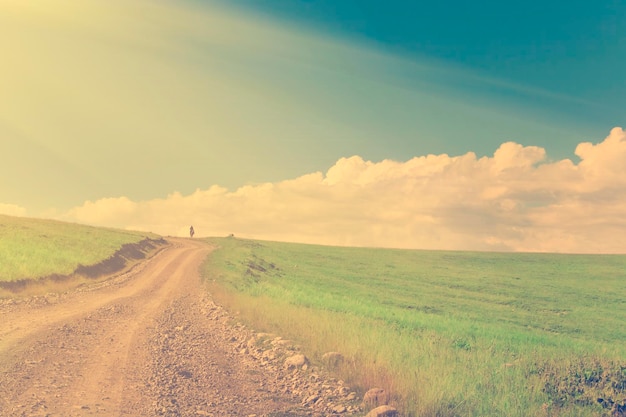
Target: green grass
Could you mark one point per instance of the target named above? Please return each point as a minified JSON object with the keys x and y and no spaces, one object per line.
{"x":34,"y":248}
{"x":449,"y":333}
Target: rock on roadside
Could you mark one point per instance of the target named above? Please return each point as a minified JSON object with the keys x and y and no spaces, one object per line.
{"x":375,"y":397}
{"x":316,"y":391}
{"x":383,"y":411}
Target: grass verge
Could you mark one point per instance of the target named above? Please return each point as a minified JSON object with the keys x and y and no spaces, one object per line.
{"x":34,"y":248}
{"x":447,"y":333}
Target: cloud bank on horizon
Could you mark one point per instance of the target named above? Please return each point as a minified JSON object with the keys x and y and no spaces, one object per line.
{"x":514,"y":200}
{"x":132,"y":101}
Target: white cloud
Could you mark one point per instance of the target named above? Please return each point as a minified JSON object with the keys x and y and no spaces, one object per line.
{"x":143,"y":97}
{"x":514,"y":200}
{"x":106,"y":211}
{"x":12,"y":210}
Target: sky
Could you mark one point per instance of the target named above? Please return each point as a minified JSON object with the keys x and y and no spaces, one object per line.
{"x":451,"y":125}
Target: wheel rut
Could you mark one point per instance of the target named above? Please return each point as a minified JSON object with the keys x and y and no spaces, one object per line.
{"x":150,"y":343}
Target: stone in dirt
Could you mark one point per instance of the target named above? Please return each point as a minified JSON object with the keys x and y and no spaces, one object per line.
{"x":383,"y":411}
{"x":296,"y":361}
{"x":375,"y":397}
{"x":311,"y":399}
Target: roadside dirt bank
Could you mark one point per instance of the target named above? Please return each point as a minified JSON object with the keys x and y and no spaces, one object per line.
{"x":151,"y":342}
{"x":123,"y":259}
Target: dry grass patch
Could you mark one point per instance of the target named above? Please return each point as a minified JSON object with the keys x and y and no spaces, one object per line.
{"x":32,"y":249}
{"x":446,"y":333}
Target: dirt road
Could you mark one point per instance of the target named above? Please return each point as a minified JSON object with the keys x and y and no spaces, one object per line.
{"x":151,"y":342}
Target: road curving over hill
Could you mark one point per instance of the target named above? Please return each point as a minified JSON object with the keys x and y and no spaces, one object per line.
{"x":150,"y":342}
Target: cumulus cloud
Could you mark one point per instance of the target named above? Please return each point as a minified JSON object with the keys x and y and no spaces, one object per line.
{"x":12,"y":209}
{"x":515,"y":200}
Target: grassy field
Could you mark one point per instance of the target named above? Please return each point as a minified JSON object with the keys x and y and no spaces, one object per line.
{"x":448,"y":333}
{"x":33,"y":248}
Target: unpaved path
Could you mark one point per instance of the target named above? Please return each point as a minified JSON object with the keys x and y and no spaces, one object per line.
{"x":150,"y":342}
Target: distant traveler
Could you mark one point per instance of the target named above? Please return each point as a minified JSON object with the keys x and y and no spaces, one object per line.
{"x":191,"y":231}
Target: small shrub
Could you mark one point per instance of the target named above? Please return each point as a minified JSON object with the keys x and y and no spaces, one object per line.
{"x":586,"y":382}
{"x":462,"y":344}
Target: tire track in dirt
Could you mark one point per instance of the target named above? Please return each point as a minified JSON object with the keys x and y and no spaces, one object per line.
{"x":70,"y":358}
{"x":150,"y":343}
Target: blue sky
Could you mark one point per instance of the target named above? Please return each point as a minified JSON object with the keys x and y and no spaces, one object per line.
{"x":574,"y":48}
{"x":556,"y":67}
{"x":563,"y":61}
{"x":453,"y":125}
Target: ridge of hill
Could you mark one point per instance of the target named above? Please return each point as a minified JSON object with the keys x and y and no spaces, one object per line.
{"x":49,"y":251}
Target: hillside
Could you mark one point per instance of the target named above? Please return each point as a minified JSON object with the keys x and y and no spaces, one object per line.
{"x":31,"y":249}
{"x":444,"y":333}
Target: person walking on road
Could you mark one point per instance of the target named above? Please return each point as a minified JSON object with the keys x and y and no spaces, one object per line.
{"x":191,"y":231}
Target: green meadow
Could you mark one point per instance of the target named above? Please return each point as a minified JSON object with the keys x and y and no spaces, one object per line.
{"x":34,"y":248}
{"x":446,"y":333}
